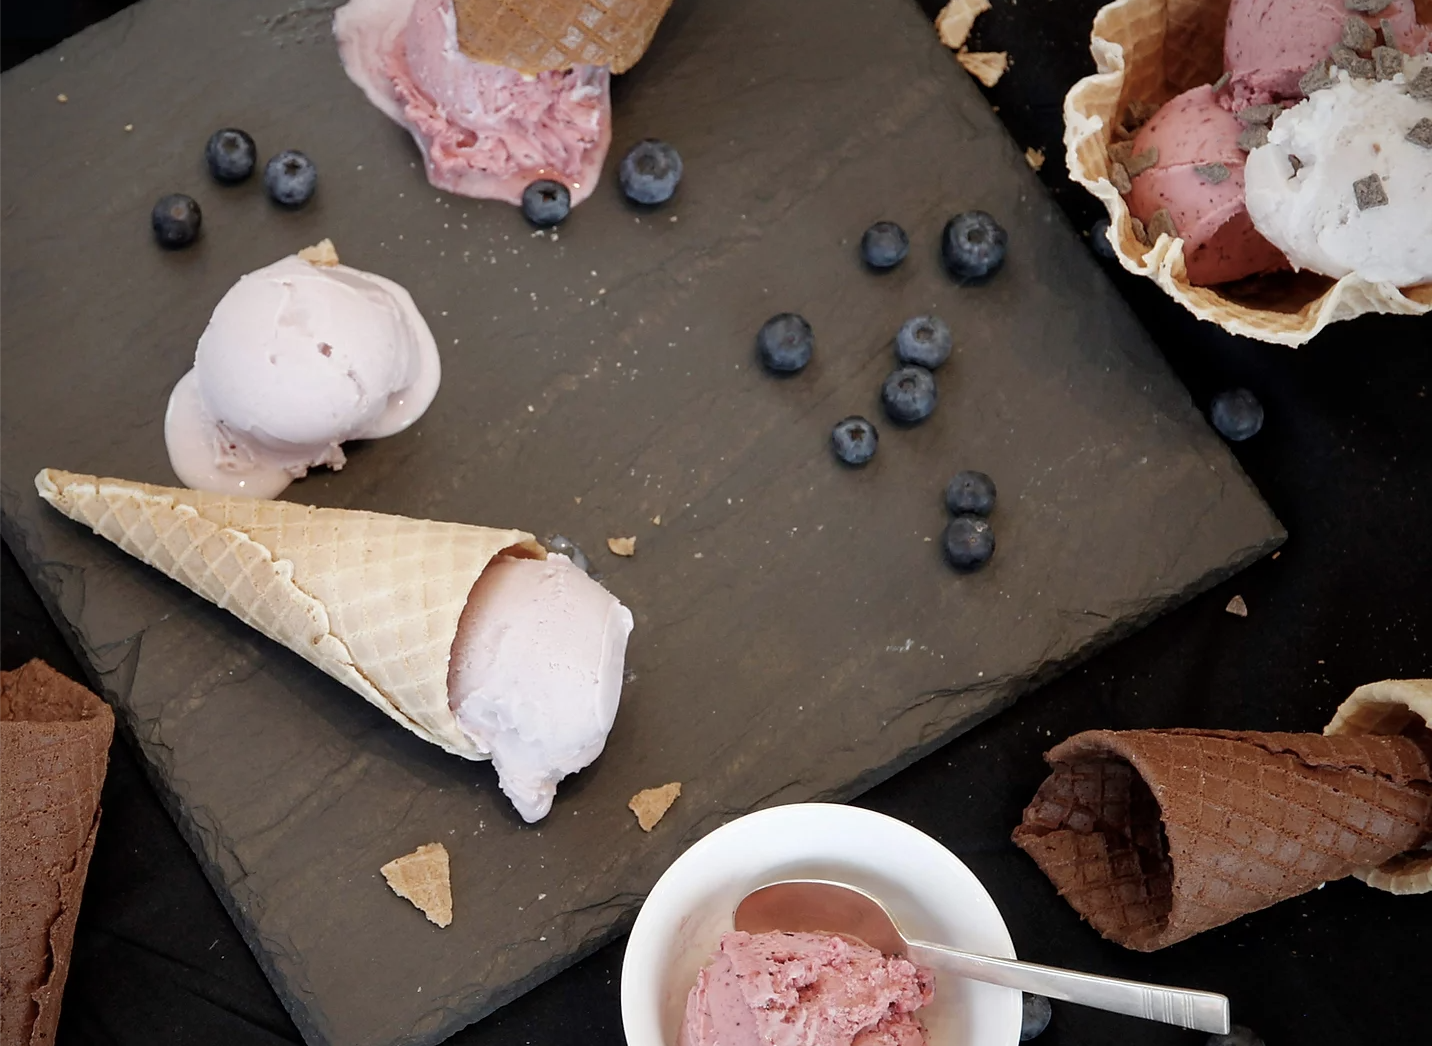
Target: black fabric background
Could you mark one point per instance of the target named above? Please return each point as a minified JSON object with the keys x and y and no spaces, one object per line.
{"x":1345,"y":459}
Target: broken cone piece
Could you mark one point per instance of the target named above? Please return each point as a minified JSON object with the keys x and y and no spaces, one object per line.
{"x":1156,"y":835}
{"x":424,"y":878}
{"x":650,"y":804}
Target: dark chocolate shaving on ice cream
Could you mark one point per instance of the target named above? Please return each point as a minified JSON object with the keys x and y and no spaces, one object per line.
{"x":1387,"y":62}
{"x":1221,"y":82}
{"x":1161,"y":224}
{"x":1421,"y":85}
{"x":1367,"y":7}
{"x":1256,"y":114}
{"x":1139,"y":164}
{"x":1369,"y":192}
{"x":1421,"y":133}
{"x":1119,"y":176}
{"x":1253,"y":137}
{"x":1121,"y":152}
{"x":1295,"y":163}
{"x":1316,"y":78}
{"x":1357,"y":66}
{"x":1358,"y":35}
{"x":1389,"y":34}
{"x":1140,"y":233}
{"x":1212,"y":173}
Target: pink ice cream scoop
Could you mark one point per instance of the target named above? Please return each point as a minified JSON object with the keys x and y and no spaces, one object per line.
{"x":805,"y":989}
{"x":1198,"y":179}
{"x":484,"y":130}
{"x":1269,"y":44}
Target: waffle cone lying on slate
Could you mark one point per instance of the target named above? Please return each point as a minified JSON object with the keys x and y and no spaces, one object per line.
{"x":54,"y":750}
{"x":373,"y":600}
{"x":536,"y":36}
{"x":1156,"y":835}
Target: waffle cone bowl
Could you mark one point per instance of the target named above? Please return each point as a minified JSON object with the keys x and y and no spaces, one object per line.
{"x":538,"y":36}
{"x":1145,"y":52}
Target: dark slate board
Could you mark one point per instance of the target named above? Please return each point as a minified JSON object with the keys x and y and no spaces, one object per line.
{"x":797,"y":634}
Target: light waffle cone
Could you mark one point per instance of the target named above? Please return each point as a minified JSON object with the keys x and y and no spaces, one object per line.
{"x":1394,"y":706}
{"x":1151,"y":50}
{"x":536,"y":36}
{"x":373,"y":600}
{"x":1156,"y":835}
{"x":54,"y":750}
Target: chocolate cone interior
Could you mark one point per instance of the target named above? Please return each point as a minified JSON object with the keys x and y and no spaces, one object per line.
{"x":1155,"y":835}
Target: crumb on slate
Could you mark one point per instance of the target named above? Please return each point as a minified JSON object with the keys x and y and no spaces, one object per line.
{"x":956,"y":19}
{"x":985,"y":66}
{"x":1237,"y":607}
{"x":1034,"y":157}
{"x":622,"y":546}
{"x":650,"y":804}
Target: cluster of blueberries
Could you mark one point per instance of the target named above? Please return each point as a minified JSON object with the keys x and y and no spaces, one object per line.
{"x":973,"y":247}
{"x":290,"y":179}
{"x":649,"y":174}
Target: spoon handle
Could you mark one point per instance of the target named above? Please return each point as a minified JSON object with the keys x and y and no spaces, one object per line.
{"x":1201,"y":1011}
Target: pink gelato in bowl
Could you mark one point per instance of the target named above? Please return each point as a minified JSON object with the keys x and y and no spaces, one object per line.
{"x":932,"y":894}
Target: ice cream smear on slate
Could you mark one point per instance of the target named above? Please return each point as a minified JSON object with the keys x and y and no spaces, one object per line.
{"x":536,"y":673}
{"x":297,"y":358}
{"x":805,"y":989}
{"x":484,"y":130}
{"x":1344,"y":184}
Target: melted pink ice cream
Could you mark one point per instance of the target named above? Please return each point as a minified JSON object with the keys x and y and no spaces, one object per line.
{"x":1269,"y":44}
{"x":805,"y":989}
{"x":484,"y":130}
{"x":1219,"y":241}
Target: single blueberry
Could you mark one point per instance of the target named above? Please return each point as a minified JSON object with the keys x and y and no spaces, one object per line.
{"x":785,"y":342}
{"x":884,"y":245}
{"x":1237,"y":414}
{"x":290,"y":178}
{"x":1036,"y":1017}
{"x":546,"y":202}
{"x":1238,"y":1035}
{"x":970,"y":491}
{"x":567,"y":547}
{"x":650,"y":172}
{"x":230,"y":155}
{"x":1099,"y":240}
{"x":973,"y":245}
{"x":176,"y":219}
{"x":909,"y":394}
{"x":924,"y":341}
{"x":854,"y":440}
{"x":969,"y":542}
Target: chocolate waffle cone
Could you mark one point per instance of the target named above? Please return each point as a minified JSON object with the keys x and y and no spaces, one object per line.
{"x":54,"y":750}
{"x":537,"y":36}
{"x":1147,"y":51}
{"x":1156,"y":835}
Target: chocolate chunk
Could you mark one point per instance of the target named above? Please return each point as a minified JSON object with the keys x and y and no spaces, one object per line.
{"x":1121,"y":152}
{"x":1421,"y":133}
{"x":1367,"y":7}
{"x":1421,"y":85}
{"x":1316,"y":78}
{"x":1139,"y":233}
{"x":1358,"y":35}
{"x":1221,"y":82}
{"x":1389,"y":34}
{"x":1369,"y":192}
{"x":1357,"y":66}
{"x":1264,"y":114}
{"x":1253,"y":137}
{"x":1139,"y":112}
{"x":1295,"y":163}
{"x":1212,"y":173}
{"x":1119,"y":176}
{"x":1142,"y":162}
{"x":1387,"y":62}
{"x":1161,"y":224}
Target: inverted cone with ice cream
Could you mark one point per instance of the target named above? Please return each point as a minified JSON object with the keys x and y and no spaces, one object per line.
{"x":378,"y":602}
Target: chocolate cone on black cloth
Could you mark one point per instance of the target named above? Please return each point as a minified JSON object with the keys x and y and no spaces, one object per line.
{"x":1156,"y":835}
{"x":54,"y":750}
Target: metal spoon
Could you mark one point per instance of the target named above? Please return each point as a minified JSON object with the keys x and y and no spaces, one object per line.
{"x":815,"y":906}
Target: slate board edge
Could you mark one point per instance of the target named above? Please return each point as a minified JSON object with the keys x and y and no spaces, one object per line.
{"x":990,"y":699}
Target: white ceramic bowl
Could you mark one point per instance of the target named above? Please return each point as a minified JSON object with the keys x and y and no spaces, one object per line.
{"x":931,"y":893}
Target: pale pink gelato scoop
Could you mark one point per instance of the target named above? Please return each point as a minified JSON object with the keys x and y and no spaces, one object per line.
{"x":484,"y":130}
{"x":1199,"y":179}
{"x":805,"y":989}
{"x":1269,"y":44}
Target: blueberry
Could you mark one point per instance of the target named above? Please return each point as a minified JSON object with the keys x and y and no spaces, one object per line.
{"x":884,"y":245}
{"x":973,"y":245}
{"x":1099,"y":240}
{"x":650,"y":172}
{"x":546,"y":202}
{"x":924,"y":341}
{"x":969,"y":542}
{"x":290,"y":178}
{"x":230,"y":155}
{"x":909,"y":394}
{"x":566,"y":547}
{"x":1238,"y":1035}
{"x":176,"y":219}
{"x":1237,"y":414}
{"x":1036,"y":1017}
{"x":785,"y":342}
{"x":854,"y":440}
{"x":970,"y":492}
